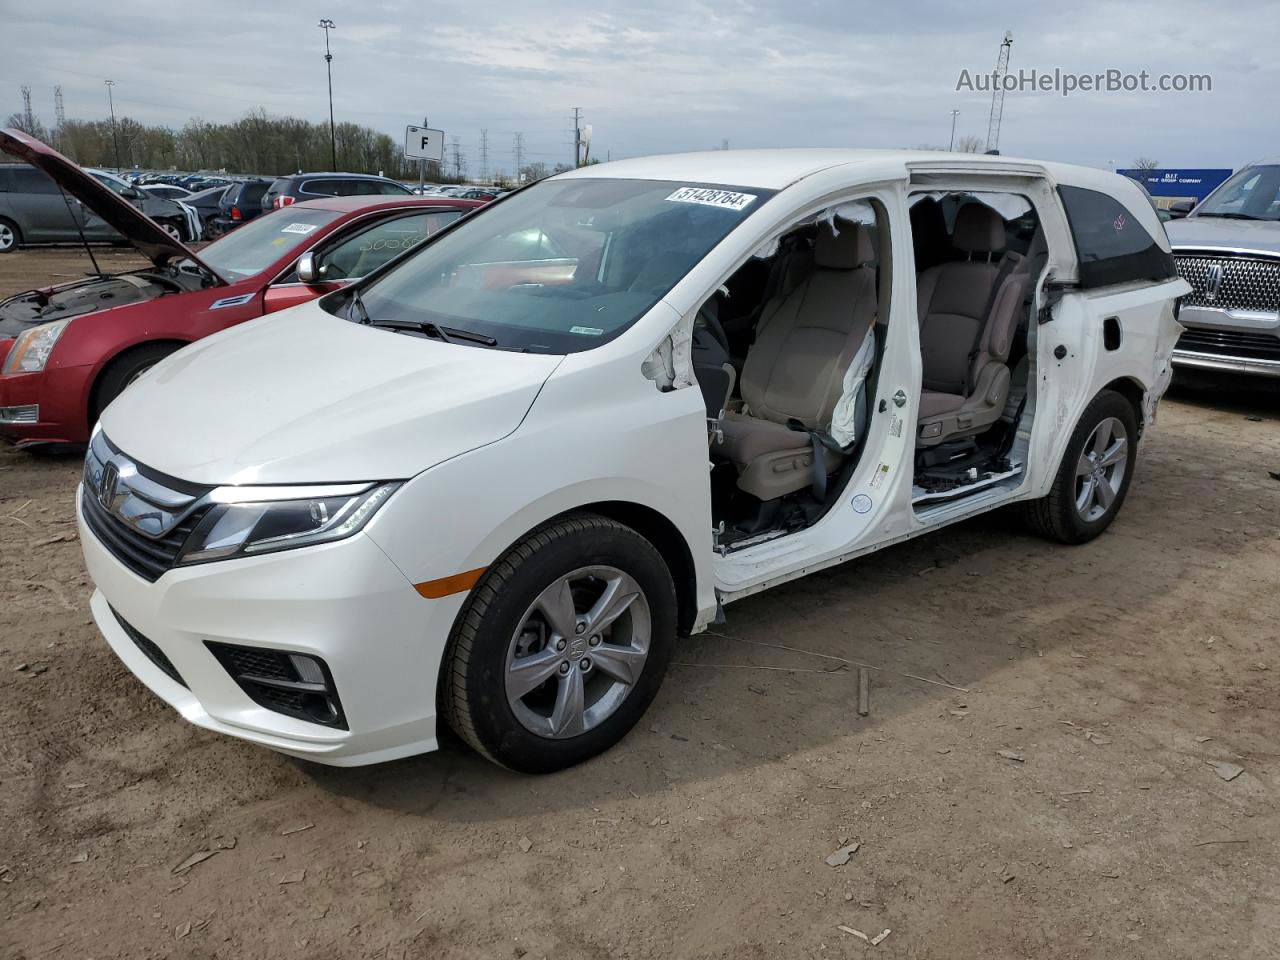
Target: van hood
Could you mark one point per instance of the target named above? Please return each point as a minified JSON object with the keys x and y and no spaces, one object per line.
{"x":302,"y":396}
{"x":136,"y":227}
{"x":1224,"y":232}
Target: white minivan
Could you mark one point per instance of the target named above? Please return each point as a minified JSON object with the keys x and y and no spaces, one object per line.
{"x":494,"y":482}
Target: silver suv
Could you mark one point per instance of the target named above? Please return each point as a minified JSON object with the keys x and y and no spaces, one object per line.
{"x":1228,"y":249}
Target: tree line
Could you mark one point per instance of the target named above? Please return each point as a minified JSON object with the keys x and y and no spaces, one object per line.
{"x":257,"y":143}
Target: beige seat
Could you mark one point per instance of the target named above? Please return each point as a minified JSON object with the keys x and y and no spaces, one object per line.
{"x":794,"y":371}
{"x":968,"y":315}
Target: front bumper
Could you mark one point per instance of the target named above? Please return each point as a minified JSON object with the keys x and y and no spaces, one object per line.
{"x":344,"y":602}
{"x":1226,"y":364}
{"x":51,"y":425}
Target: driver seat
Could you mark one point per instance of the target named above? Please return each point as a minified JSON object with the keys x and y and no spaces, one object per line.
{"x":794,"y":371}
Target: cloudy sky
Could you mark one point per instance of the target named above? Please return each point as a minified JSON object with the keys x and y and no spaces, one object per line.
{"x":668,"y":75}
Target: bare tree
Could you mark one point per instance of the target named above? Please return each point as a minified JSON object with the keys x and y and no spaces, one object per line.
{"x":1145,"y":163}
{"x":969,"y":144}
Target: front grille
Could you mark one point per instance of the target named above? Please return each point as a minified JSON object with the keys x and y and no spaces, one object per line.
{"x":146,"y":557}
{"x":162,"y":511}
{"x":271,"y":679}
{"x":1246,"y":283}
{"x":1230,"y":343}
{"x":149,"y":648}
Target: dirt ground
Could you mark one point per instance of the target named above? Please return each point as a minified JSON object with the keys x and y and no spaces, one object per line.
{"x":1064,"y":804}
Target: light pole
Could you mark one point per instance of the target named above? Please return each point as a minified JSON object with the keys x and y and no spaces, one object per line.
{"x":954,"y":114}
{"x":115,"y":139}
{"x":326,"y":25}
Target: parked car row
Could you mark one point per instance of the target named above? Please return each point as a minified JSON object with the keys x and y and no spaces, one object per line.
{"x":34,"y":209}
{"x":67,"y":351}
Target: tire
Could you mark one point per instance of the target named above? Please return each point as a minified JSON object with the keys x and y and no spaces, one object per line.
{"x":10,"y":236}
{"x":122,"y":371}
{"x":503,"y":624}
{"x":173,"y":229}
{"x":1088,"y":492}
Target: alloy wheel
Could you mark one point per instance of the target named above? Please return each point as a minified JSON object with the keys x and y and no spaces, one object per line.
{"x":1101,"y":469}
{"x":578,"y":653}
{"x":8,"y":239}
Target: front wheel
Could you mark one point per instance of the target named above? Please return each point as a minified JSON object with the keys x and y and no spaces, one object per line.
{"x":562,"y":645}
{"x":9,"y":236}
{"x":123,"y":371}
{"x":1094,"y":477}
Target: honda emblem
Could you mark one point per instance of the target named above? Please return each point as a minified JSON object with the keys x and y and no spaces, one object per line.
{"x":107,"y":486}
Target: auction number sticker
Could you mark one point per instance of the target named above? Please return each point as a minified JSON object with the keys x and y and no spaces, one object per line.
{"x":303,"y":228}
{"x":726,"y":199}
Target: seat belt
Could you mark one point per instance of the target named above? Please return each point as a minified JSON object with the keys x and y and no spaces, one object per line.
{"x":1007,"y":264}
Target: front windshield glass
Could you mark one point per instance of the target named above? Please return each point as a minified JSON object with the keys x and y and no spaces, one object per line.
{"x":1252,"y":194}
{"x":259,"y":243}
{"x":562,"y":266}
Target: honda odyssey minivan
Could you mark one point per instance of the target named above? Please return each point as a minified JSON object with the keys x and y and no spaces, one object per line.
{"x":493,"y":482}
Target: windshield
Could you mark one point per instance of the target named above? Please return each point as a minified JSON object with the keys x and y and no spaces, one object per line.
{"x":562,"y":266}
{"x":259,"y":243}
{"x":1252,"y":194}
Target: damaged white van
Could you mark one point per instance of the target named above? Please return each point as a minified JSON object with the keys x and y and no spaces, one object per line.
{"x":495,"y":481}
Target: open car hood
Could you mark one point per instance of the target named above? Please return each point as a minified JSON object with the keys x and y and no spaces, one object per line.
{"x":140,"y":230}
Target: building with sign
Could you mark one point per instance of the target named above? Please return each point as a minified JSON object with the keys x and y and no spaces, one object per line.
{"x":1170,"y":186}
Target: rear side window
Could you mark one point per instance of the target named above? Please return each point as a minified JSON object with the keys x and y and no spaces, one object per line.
{"x":326,"y":188}
{"x":30,"y":180}
{"x":1113,"y":247}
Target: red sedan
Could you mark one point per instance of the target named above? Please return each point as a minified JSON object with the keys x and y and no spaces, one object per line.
{"x":67,"y":351}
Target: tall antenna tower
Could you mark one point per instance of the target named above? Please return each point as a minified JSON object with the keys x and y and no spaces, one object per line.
{"x":997,"y":93}
{"x":484,"y":154}
{"x":58,"y":111}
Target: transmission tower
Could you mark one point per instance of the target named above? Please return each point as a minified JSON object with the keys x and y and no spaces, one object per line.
{"x":28,"y":118}
{"x":517,"y":153}
{"x":59,"y":113}
{"x":458,"y":160}
{"x":484,"y":154}
{"x":997,"y":93}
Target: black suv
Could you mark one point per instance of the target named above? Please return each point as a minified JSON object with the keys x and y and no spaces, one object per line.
{"x":240,"y":203}
{"x":312,"y":186}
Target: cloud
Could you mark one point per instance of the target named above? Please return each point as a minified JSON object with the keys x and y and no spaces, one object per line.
{"x":667,"y":75}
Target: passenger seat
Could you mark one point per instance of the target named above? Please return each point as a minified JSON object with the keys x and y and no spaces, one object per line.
{"x":794,"y":371}
{"x":968,"y":311}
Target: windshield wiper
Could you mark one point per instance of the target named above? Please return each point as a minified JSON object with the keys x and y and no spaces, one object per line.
{"x":357,"y":304}
{"x":447,"y":334}
{"x":1231,"y":216}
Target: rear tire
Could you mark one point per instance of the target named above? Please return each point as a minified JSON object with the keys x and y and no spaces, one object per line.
{"x":613,"y":671}
{"x":10,"y":236}
{"x":122,"y":371}
{"x":1094,"y":476}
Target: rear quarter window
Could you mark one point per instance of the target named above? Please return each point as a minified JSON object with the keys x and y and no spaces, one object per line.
{"x":1111,"y":243}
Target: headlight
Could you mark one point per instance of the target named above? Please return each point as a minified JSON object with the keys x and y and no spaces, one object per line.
{"x":246,"y":521}
{"x":32,"y":350}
